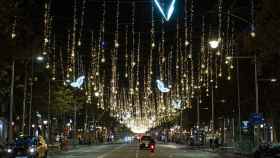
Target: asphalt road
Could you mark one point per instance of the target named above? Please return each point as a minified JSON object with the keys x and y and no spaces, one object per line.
{"x":132,"y":151}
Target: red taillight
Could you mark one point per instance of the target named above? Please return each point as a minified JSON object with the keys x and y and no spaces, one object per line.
{"x":152,"y":146}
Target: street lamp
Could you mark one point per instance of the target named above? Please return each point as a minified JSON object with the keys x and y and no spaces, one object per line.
{"x":38,"y":58}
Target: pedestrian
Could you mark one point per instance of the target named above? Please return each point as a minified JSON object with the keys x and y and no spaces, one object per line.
{"x":211,"y":143}
{"x":216,"y":142}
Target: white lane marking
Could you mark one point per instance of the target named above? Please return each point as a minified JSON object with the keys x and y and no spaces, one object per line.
{"x":115,"y":149}
{"x":137,"y":153}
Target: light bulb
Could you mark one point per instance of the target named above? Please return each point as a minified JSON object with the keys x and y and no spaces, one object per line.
{"x":253,"y":34}
{"x":187,"y":43}
{"x":79,"y":43}
{"x":96,"y":94}
{"x":227,"y":62}
{"x":231,"y":66}
{"x":163,"y":59}
{"x":202,"y":66}
{"x":220,"y":74}
{"x":47,"y":66}
{"x":153,"y":45}
{"x":218,"y":53}
{"x":103,"y":60}
{"x":13,"y":35}
{"x":46,"y":40}
{"x":117,"y":44}
{"x":45,"y":53}
{"x":214,"y":44}
{"x":229,"y":78}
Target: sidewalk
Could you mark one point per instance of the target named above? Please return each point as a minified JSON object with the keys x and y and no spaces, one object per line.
{"x":229,"y":150}
{"x":206,"y":148}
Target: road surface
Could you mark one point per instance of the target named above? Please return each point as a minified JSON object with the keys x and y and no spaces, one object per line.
{"x":132,"y":151}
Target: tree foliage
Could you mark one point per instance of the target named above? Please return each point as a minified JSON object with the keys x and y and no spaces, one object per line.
{"x":4,"y":89}
{"x":64,"y":100}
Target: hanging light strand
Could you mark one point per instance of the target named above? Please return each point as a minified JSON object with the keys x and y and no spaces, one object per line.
{"x":73,"y":49}
{"x":203,"y":53}
{"x":13,"y":34}
{"x":82,"y":23}
{"x":191,"y":52}
{"x":102,"y":34}
{"x":126,"y":52}
{"x":220,"y":8}
{"x":253,"y":29}
{"x":54,"y":58}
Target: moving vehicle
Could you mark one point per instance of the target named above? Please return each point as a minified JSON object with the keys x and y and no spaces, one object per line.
{"x":267,"y":151}
{"x":28,"y":147}
{"x":147,"y":142}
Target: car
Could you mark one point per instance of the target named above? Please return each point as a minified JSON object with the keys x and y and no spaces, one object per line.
{"x":28,"y":147}
{"x":147,"y":142}
{"x":267,"y":151}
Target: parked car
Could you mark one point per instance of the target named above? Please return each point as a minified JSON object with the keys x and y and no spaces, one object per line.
{"x":28,"y":147}
{"x":267,"y":151}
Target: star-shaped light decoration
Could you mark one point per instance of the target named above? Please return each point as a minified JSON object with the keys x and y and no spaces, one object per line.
{"x":162,"y":87}
{"x":78,"y":83}
{"x":170,"y":10}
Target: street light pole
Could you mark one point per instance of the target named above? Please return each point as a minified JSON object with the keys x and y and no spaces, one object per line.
{"x":198,"y":112}
{"x":238,"y":99}
{"x":49,"y":120}
{"x":256,"y":84}
{"x":257,"y":97}
{"x":75,"y":123}
{"x":213,"y":108}
{"x":24,"y":97}
{"x":10,"y":138}
{"x":31,"y":99}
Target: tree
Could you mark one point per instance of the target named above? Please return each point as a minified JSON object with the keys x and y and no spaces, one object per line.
{"x":64,"y":100}
{"x":4,"y":90}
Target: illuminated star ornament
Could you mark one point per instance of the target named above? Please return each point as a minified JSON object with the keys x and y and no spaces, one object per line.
{"x":170,"y":11}
{"x":176,"y":103}
{"x":162,"y":87}
{"x":78,"y":83}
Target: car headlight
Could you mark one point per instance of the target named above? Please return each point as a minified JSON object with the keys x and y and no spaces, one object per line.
{"x":32,"y":150}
